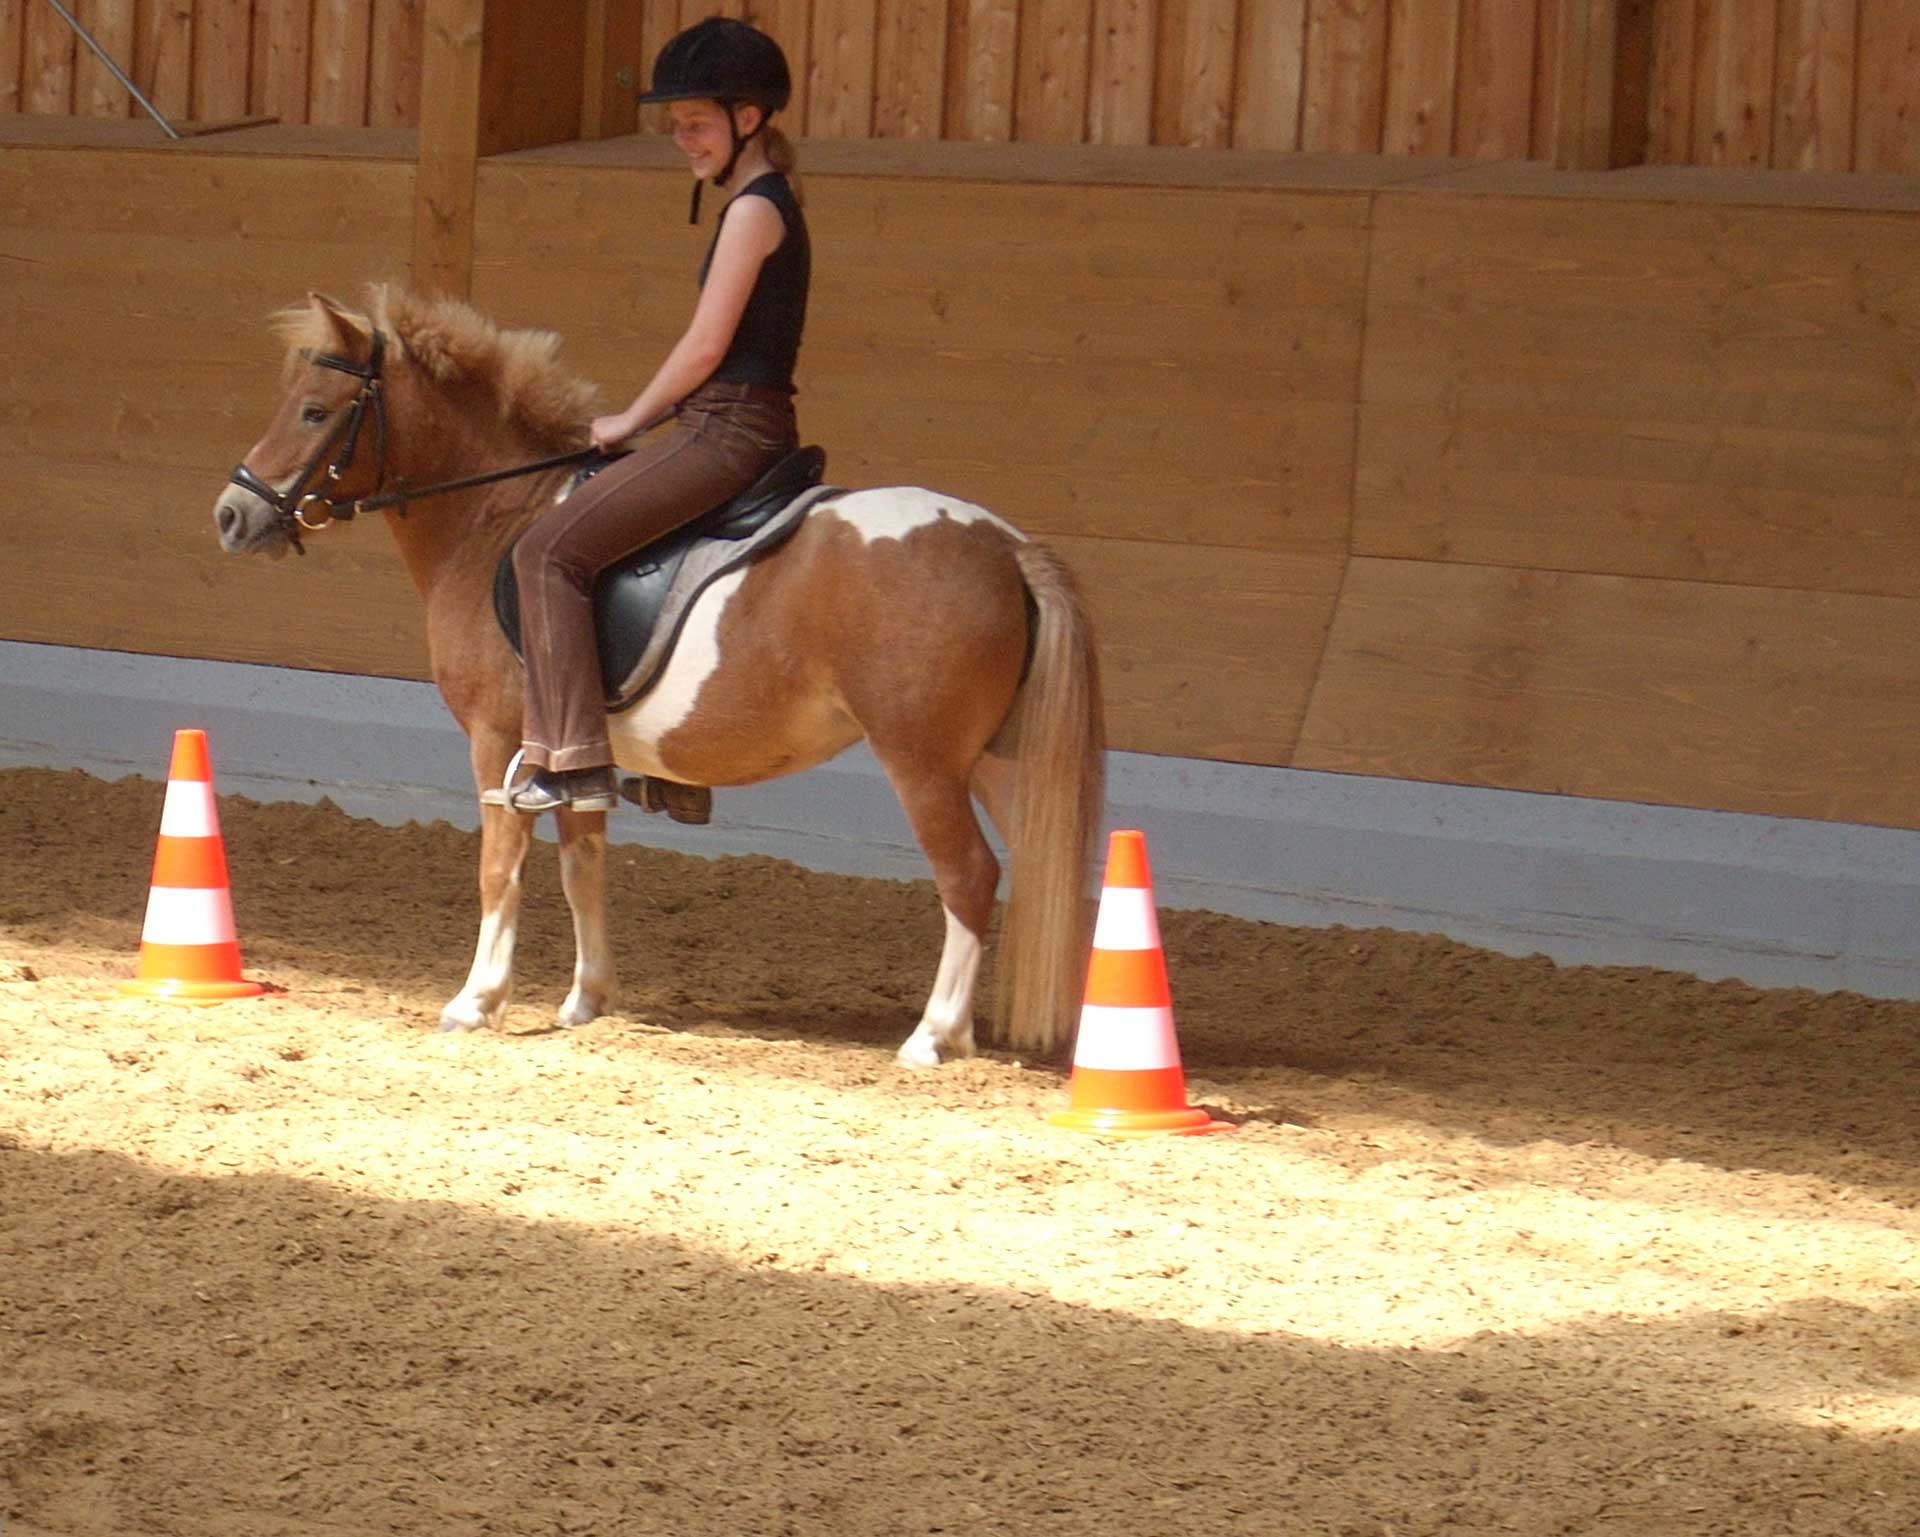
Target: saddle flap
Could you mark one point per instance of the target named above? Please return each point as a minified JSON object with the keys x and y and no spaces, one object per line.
{"x":638,"y":602}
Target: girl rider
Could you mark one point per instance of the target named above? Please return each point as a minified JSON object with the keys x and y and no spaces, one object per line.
{"x":729,"y":380}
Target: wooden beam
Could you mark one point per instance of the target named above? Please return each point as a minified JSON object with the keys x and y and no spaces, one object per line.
{"x":496,"y":75}
{"x":613,"y":70}
{"x":449,"y":146}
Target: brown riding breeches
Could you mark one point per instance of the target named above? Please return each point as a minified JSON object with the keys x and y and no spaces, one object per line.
{"x":726,"y":437}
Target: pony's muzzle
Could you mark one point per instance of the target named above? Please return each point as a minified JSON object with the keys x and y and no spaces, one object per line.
{"x":247,"y":524}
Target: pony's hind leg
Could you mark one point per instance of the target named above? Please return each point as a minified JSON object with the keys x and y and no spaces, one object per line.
{"x":966,"y":875}
{"x":482,"y":1002}
{"x":583,"y":876}
{"x":993,"y":787}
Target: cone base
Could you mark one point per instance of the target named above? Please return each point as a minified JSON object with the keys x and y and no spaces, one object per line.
{"x":174,"y":990}
{"x":1189,"y":1122}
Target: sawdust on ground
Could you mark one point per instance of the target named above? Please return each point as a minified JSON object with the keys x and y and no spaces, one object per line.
{"x":1497,"y":1247}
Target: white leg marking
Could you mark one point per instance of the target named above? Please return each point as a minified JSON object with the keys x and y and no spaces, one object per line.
{"x":482,"y":1002}
{"x":583,"y":871}
{"x":946,"y":1027}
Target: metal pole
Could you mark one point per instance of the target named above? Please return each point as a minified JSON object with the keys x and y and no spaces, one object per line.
{"x":118,"y":73}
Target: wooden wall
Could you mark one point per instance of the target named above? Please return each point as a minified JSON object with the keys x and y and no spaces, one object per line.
{"x":139,"y":370}
{"x":331,"y":62}
{"x":1599,"y":484}
{"x":1157,"y":379}
{"x":1634,"y":508}
{"x":1793,"y":84}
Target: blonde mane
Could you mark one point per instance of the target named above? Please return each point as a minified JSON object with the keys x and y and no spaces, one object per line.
{"x":452,"y":343}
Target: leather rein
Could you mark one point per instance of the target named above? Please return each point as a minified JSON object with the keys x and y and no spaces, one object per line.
{"x":300,"y":508}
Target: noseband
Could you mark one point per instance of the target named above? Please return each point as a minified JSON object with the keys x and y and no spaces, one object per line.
{"x":313,"y":510}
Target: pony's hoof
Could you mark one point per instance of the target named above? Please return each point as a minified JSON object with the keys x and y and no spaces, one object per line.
{"x":918,"y":1052}
{"x":576,"y":1012}
{"x":925,"y":1050}
{"x":461,"y":1016}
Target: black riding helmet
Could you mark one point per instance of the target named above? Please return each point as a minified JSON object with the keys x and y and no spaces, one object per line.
{"x":728,"y":61}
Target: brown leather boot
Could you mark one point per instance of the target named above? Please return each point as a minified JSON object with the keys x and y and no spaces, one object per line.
{"x":692,"y":804}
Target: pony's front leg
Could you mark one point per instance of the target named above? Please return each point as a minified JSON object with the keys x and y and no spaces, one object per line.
{"x":482,"y":1002}
{"x":583,"y":875}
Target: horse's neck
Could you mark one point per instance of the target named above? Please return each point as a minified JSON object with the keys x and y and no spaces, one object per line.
{"x":456,"y":538}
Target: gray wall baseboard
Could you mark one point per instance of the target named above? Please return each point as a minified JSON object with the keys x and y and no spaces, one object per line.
{"x":1773,"y":901}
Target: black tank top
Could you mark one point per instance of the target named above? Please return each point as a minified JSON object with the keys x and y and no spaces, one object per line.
{"x":767,"y":342}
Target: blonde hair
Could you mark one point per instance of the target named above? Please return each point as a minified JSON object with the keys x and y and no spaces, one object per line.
{"x":784,"y":158}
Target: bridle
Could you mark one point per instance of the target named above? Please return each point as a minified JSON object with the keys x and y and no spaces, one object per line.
{"x":299,"y":508}
{"x":313,"y":510}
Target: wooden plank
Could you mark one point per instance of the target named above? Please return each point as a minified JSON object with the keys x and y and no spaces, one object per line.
{"x":659,"y":20}
{"x":1050,"y":84}
{"x":1193,"y":96}
{"x":282,"y":35}
{"x":1423,"y":56}
{"x":1088,"y":359}
{"x":1672,"y":102}
{"x":1888,"y":104}
{"x":1814,"y":85}
{"x":1680,"y":693}
{"x":983,"y":47}
{"x":47,"y":83}
{"x":95,"y":91}
{"x":613,"y":70}
{"x":393,"y":78}
{"x":910,"y":69}
{"x":1269,"y":75}
{"x":842,"y":89}
{"x":530,"y":74}
{"x":77,"y":569}
{"x":1494,"y":118}
{"x":337,"y":81}
{"x":1649,"y":389}
{"x":1584,"y":95}
{"x":163,"y":55}
{"x":163,"y":262}
{"x":1205,"y":652}
{"x":1733,"y":85}
{"x":13,"y":27}
{"x":1121,"y":73}
{"x":1546,"y":78}
{"x":790,"y":24}
{"x":1345,"y":87}
{"x":1633,"y":81}
{"x":222,"y":58}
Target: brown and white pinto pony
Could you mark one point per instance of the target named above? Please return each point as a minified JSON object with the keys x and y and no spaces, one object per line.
{"x":897,"y":615}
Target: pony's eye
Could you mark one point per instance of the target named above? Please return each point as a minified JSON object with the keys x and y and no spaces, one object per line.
{"x":313,"y":416}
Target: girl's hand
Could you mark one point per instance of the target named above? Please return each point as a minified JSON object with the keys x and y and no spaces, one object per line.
{"x":607,"y":431}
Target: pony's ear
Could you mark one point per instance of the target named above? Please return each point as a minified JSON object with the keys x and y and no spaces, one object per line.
{"x":346,"y":326}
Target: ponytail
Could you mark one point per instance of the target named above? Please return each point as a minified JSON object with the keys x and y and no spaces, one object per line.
{"x":782,"y":156}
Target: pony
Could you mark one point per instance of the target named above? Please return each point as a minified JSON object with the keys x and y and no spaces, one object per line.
{"x":957,"y":647}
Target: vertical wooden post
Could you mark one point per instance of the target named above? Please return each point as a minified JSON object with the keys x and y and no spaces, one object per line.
{"x":495,"y":75}
{"x":1604,"y":82}
{"x":449,"y":146}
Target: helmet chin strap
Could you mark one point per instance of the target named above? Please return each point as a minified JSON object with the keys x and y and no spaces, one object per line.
{"x":740,"y":142}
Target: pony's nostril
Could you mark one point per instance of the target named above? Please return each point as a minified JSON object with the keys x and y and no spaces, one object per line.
{"x":227,"y":520}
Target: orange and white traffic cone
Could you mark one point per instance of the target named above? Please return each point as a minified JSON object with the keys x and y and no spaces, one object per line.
{"x":1127,"y":1080}
{"x":188,"y":950}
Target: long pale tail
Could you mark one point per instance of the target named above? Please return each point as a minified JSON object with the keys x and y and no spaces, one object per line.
{"x":1059,"y":745}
